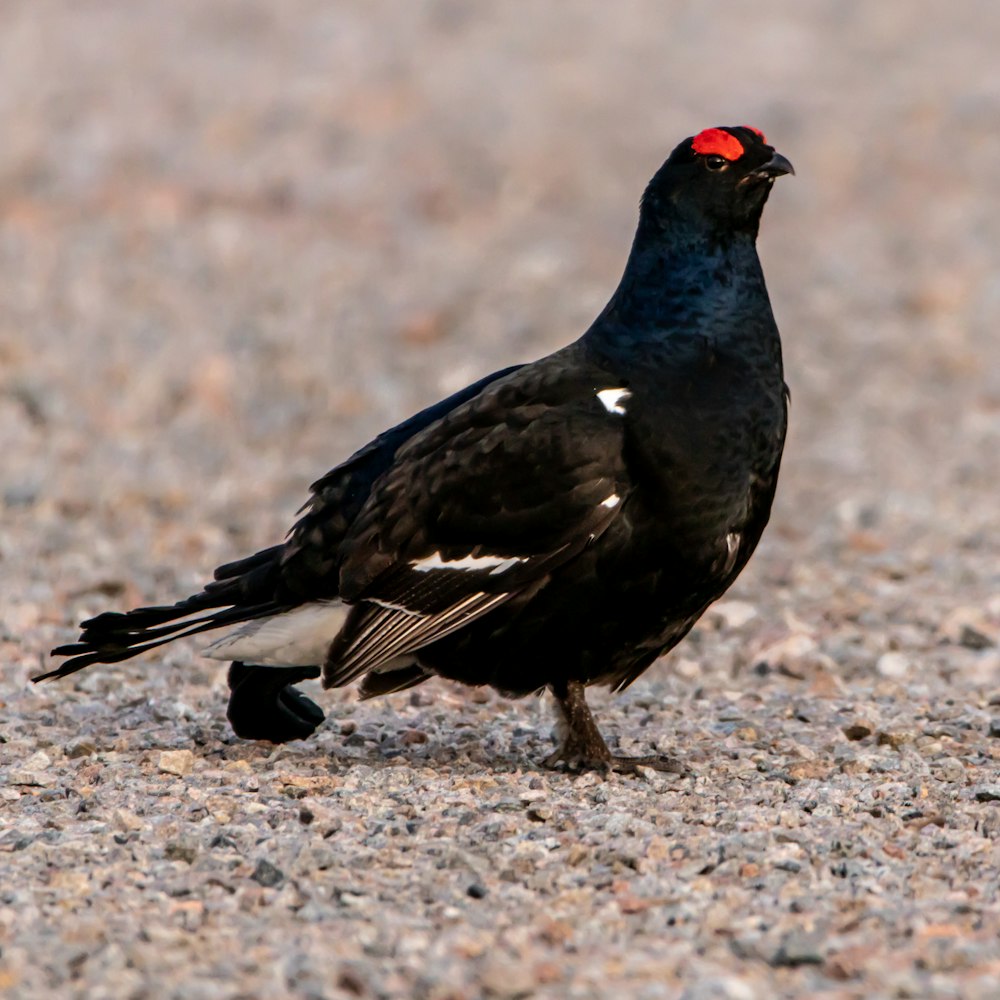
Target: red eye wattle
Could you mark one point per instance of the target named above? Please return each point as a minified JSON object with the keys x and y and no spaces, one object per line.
{"x":717,"y":142}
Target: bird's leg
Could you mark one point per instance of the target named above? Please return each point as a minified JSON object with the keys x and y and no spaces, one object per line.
{"x":581,"y":745}
{"x":582,"y":748}
{"x":263,"y":705}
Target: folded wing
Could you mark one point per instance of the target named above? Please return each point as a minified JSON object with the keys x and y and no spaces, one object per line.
{"x":477,"y":510}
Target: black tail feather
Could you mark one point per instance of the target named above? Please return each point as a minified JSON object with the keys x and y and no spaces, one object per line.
{"x":116,"y":644}
{"x":104,"y":654}
{"x":242,"y":591}
{"x":266,"y":558}
{"x":140,"y":619}
{"x":187,"y":626}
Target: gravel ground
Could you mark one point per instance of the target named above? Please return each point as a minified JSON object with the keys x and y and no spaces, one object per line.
{"x":236,"y":240}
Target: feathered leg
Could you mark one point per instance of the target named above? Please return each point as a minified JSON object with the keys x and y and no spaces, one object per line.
{"x":582,"y":746}
{"x":263,"y":705}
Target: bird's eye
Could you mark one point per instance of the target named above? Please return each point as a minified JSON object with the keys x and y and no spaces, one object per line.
{"x":715,"y":162}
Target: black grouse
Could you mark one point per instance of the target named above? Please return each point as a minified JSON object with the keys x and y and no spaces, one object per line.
{"x":556,"y":524}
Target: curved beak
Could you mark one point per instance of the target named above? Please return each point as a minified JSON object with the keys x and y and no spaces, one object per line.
{"x":775,"y":167}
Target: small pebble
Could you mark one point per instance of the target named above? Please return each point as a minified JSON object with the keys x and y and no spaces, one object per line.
{"x":950,"y":769}
{"x":80,"y":746}
{"x":972,"y":638}
{"x":267,"y":875}
{"x":857,"y":731}
{"x":734,"y":614}
{"x":39,"y":761}
{"x":177,"y":762}
{"x":788,"y":866}
{"x":893,"y":665}
{"x":895,"y":739}
{"x":411,"y":737}
{"x":29,"y":778}
{"x":180,"y":850}
{"x":798,"y":950}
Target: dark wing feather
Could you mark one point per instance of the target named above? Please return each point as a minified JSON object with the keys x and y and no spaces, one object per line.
{"x":379,"y":682}
{"x":380,"y":634}
{"x":476,"y":510}
{"x":310,"y":559}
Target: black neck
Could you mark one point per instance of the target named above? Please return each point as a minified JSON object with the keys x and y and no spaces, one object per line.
{"x":678,"y":285}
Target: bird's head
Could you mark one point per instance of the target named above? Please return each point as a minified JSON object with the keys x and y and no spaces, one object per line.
{"x":718,"y":179}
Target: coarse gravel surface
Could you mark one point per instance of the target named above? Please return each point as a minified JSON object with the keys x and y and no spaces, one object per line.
{"x":237,"y":240}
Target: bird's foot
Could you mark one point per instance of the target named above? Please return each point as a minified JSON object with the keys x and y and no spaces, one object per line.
{"x":263,"y":705}
{"x":655,"y":762}
{"x":579,"y":758}
{"x":602,"y":759}
{"x":583,"y":747}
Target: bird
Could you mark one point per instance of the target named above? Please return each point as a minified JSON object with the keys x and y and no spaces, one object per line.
{"x":555,"y":525}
